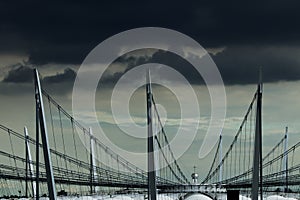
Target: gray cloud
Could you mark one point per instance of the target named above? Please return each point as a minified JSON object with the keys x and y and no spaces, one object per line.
{"x":21,"y":74}
{"x":237,"y":64}
{"x":160,"y":57}
{"x":255,"y":33}
{"x":68,"y":75}
{"x":240,"y":65}
{"x":24,"y":74}
{"x":19,"y":81}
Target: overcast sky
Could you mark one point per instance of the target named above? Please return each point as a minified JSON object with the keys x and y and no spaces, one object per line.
{"x":241,"y":37}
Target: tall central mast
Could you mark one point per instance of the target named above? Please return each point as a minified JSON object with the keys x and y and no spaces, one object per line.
{"x":150,"y":146}
{"x":257,"y":159}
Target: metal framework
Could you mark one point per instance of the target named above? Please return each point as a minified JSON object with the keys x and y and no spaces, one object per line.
{"x":90,"y":174}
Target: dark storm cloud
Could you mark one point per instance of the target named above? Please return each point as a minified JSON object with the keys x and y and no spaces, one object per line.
{"x":61,"y":83}
{"x":237,"y":65}
{"x":240,"y":65}
{"x":160,"y":57}
{"x":129,"y":62}
{"x":68,"y":75}
{"x":21,"y":74}
{"x":65,"y":31}
{"x":59,"y":31}
{"x":20,"y":81}
{"x":24,"y":74}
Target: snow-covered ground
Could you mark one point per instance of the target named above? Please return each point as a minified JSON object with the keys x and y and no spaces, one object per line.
{"x":198,"y":197}
{"x":241,"y":197}
{"x":271,"y":197}
{"x":168,"y":197}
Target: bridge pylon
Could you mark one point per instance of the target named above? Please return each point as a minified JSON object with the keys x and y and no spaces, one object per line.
{"x":257,"y":159}
{"x":152,"y":193}
{"x":30,"y":165}
{"x":93,"y":170}
{"x":285,"y":161}
{"x":42,"y":127}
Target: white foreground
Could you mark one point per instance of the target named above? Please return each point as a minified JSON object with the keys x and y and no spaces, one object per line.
{"x":166,"y":197}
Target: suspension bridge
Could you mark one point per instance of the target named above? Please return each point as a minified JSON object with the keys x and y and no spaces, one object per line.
{"x":65,"y":158}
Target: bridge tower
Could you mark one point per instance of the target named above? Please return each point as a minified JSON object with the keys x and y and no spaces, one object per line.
{"x":285,"y":161}
{"x":220,"y":160}
{"x":257,"y":159}
{"x":30,"y":165}
{"x":93,"y":172}
{"x":150,"y":143}
{"x":42,"y":127}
